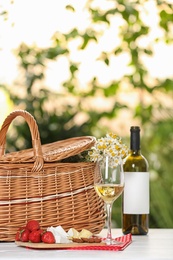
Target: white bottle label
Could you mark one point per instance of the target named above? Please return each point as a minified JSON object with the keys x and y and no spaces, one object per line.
{"x":136,"y":193}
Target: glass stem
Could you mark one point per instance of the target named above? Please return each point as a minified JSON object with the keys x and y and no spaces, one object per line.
{"x":109,"y":215}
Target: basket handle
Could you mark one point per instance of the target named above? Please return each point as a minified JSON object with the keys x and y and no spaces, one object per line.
{"x":36,"y":143}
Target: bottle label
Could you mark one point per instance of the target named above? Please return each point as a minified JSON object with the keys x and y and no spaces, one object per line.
{"x":136,"y":193}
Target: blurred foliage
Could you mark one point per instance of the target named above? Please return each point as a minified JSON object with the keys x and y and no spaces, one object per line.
{"x":69,"y":111}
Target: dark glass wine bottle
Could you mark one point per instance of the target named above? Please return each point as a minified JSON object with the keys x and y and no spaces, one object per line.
{"x":135,"y":199}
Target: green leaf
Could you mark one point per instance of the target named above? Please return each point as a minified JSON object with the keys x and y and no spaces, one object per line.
{"x":74,"y":33}
{"x":111,"y":89}
{"x":52,"y":53}
{"x":89,"y":35}
{"x":70,"y":8}
{"x":165,"y":19}
{"x":97,"y":16}
{"x":73,"y":68}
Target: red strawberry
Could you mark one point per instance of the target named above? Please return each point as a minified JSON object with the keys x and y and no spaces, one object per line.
{"x":48,"y":237}
{"x":32,"y":225}
{"x":41,"y":231}
{"x":18,"y":234}
{"x":35,"y":236}
{"x":24,"y":237}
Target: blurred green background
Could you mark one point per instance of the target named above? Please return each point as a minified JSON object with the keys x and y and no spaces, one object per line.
{"x":135,"y":97}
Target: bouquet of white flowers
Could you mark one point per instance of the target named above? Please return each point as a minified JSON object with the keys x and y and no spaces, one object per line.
{"x":111,"y":145}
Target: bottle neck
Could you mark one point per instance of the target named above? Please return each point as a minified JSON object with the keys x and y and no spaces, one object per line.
{"x":135,"y":152}
{"x":135,"y":140}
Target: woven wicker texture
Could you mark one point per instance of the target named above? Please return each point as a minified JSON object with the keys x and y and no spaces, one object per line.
{"x":34,"y":185}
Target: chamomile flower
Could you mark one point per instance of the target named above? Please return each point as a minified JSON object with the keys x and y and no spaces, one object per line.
{"x":111,"y":145}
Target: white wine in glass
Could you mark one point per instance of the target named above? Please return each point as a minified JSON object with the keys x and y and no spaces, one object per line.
{"x":109,"y":185}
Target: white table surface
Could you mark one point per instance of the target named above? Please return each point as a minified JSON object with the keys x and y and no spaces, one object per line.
{"x":158,"y":244}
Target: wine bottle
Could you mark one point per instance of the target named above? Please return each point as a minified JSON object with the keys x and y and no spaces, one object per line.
{"x":135,"y":199}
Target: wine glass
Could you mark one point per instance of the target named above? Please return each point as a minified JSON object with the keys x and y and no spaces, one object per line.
{"x":109,"y":185}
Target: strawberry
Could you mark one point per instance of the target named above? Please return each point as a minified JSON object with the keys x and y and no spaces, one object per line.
{"x":48,"y":237}
{"x":24,"y":236}
{"x":35,"y":236}
{"x":18,"y":234}
{"x":32,"y":225}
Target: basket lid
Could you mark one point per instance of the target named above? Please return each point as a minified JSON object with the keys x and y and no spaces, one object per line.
{"x":54,"y":151}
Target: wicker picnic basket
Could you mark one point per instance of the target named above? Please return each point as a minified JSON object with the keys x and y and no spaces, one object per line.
{"x":36,"y":184}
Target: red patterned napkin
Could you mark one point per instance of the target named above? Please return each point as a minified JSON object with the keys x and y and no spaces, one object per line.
{"x":124,"y":242}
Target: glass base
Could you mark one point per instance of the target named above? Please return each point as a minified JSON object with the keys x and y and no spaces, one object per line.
{"x":111,"y":242}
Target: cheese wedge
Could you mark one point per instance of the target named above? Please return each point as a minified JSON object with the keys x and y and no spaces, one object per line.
{"x":85,"y":233}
